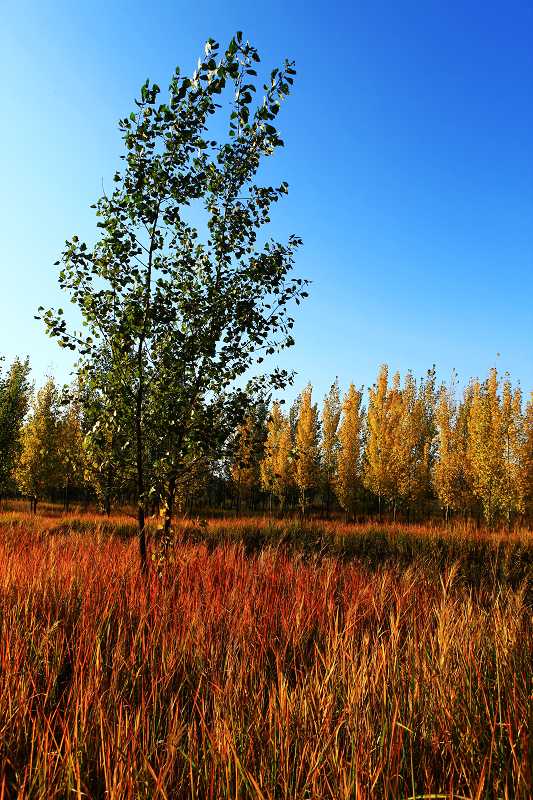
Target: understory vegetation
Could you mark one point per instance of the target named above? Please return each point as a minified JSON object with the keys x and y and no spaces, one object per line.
{"x":263,"y":659}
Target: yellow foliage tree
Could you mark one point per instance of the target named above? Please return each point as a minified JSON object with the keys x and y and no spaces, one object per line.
{"x":381,"y":473}
{"x":513,"y":490}
{"x":414,"y":440}
{"x":485,"y":445}
{"x":39,"y":468}
{"x":307,"y":448}
{"x":276,"y":467}
{"x":331,"y":413}
{"x":527,"y":457}
{"x":349,"y":455}
{"x":451,"y":472}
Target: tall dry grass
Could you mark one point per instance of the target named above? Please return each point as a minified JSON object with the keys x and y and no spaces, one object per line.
{"x":255,"y":673}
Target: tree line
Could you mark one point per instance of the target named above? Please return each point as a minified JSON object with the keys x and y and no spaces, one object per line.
{"x":412,"y":449}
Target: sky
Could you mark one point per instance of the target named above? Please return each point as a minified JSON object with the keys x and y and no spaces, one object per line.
{"x":408,"y":153}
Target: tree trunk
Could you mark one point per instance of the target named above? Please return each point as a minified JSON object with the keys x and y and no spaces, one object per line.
{"x":141,"y":530}
{"x":169,"y":506}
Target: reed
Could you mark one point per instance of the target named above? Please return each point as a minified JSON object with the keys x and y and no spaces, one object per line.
{"x":277,"y":671}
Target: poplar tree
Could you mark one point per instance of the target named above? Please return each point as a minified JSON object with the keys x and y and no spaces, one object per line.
{"x":447,"y":469}
{"x":71,"y":451}
{"x":348,"y":478}
{"x":513,"y":434}
{"x":39,"y":468}
{"x":172,"y":319}
{"x":276,"y":468}
{"x":414,"y":440}
{"x":247,"y":456}
{"x":527,"y":457}
{"x":14,"y":401}
{"x":307,"y":448}
{"x":381,"y":473}
{"x":331,"y":413}
{"x":485,"y":446}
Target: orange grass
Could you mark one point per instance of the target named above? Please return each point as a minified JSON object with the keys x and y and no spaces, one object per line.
{"x":271,"y":675}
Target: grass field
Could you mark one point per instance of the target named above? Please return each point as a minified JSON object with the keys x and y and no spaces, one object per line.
{"x":264,"y":659}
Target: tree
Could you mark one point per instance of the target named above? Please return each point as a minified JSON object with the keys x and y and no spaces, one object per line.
{"x":71,"y":451}
{"x":381,"y":467}
{"x":485,"y":445}
{"x":331,"y":413}
{"x":513,"y":492}
{"x":527,"y":457}
{"x":277,"y":464}
{"x":414,"y":440}
{"x":14,"y":400}
{"x":171,"y":321}
{"x":307,"y":448}
{"x":245,"y":469}
{"x":39,"y":468}
{"x":109,"y":466}
{"x":349,"y":455}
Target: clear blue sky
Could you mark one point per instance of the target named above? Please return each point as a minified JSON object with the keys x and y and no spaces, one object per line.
{"x":409,"y":153}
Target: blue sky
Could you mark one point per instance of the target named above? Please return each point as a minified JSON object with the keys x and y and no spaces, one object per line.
{"x":409,"y":155}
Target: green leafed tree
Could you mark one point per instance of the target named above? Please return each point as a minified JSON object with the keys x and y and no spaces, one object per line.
{"x":179,"y":296}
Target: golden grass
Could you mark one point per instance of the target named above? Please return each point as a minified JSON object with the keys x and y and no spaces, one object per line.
{"x":264,"y":673}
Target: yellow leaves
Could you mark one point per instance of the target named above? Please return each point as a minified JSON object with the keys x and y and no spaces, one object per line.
{"x":306,"y":445}
{"x":495,"y":447}
{"x":276,"y":466}
{"x":349,"y":457}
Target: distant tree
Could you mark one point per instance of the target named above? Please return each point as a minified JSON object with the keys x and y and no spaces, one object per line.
{"x":108,"y":453}
{"x":14,"y":399}
{"x":71,"y":451}
{"x":173,"y":321}
{"x":350,"y":434}
{"x":485,"y":446}
{"x":513,"y":492}
{"x":381,"y":472}
{"x":329,"y":446}
{"x":307,"y":452}
{"x":39,"y":468}
{"x":247,"y":455}
{"x":448,"y":466}
{"x":277,"y":466}
{"x":414,"y":441}
{"x":527,"y":457}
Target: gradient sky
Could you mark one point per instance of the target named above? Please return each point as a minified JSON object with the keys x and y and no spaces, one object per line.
{"x":409,"y":155}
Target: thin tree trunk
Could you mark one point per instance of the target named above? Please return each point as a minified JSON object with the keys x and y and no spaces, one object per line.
{"x":169,"y":506}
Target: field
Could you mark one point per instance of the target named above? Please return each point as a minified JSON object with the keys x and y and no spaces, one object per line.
{"x":264,"y":659}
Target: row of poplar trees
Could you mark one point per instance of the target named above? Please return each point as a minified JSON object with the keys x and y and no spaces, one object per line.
{"x":412,"y":448}
{"x":43,"y":450}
